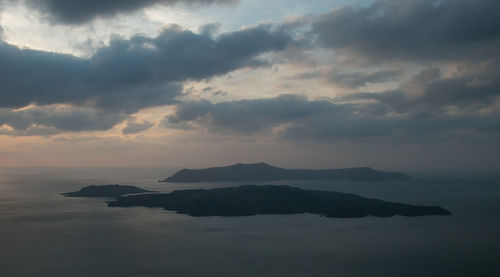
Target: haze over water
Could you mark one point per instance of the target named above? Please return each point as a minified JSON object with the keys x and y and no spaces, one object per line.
{"x":45,"y":234}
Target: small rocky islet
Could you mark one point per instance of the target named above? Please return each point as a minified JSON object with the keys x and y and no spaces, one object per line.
{"x":105,"y":191}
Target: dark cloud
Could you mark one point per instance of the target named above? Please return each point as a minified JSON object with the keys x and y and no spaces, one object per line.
{"x":457,"y":39}
{"x":247,"y":116}
{"x":209,"y":29}
{"x":414,"y":30}
{"x":308,"y":75}
{"x":468,"y":90}
{"x":44,"y":78}
{"x":80,"y":11}
{"x":56,"y":118}
{"x":32,"y":131}
{"x":134,"y":127}
{"x":299,"y":118}
{"x":220,"y":93}
{"x":122,"y":78}
{"x":213,"y":91}
{"x":410,"y":129}
{"x":359,"y":79}
{"x":351,"y":79}
{"x":130,"y":74}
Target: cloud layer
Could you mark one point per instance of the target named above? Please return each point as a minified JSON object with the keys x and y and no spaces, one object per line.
{"x":130,"y":74}
{"x":441,"y":57}
{"x":296,"y":117}
{"x":456,"y":43}
{"x":48,"y":120}
{"x":80,"y":11}
{"x":413,"y":30}
{"x":471,"y":89}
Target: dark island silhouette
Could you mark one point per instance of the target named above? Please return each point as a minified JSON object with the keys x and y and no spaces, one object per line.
{"x":105,"y":191}
{"x":271,"y":199}
{"x":265,"y":172}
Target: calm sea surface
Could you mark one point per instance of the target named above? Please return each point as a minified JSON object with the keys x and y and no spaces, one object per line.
{"x":45,"y":234}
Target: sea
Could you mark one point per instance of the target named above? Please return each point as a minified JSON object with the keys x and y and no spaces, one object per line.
{"x":43,"y":233}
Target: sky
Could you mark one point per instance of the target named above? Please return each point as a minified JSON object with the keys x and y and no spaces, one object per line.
{"x":391,"y":84}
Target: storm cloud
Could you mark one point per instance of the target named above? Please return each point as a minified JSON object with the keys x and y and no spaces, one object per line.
{"x":80,"y":11}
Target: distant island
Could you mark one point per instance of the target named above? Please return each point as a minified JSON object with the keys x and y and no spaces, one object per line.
{"x":105,"y":191}
{"x":265,"y":172}
{"x":271,"y":199}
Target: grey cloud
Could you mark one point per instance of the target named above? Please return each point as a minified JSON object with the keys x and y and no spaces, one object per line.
{"x":248,"y":116}
{"x":43,"y":78}
{"x":134,"y":127}
{"x":209,"y":29}
{"x":80,"y":11}
{"x":415,"y":30}
{"x":359,"y":79}
{"x":32,"y":131}
{"x":412,"y":129}
{"x":435,"y":33}
{"x":351,"y":79}
{"x":308,"y":75}
{"x":214,"y":92}
{"x":220,"y":93}
{"x":130,"y":74}
{"x":471,"y":88}
{"x":301,"y":118}
{"x":70,"y":119}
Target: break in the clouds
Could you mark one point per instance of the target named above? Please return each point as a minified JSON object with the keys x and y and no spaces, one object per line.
{"x":80,"y":11}
{"x":135,"y":127}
